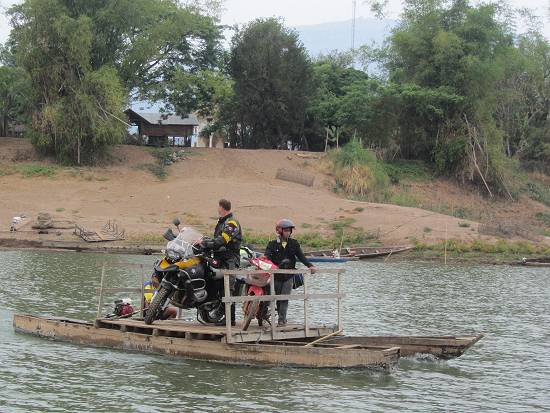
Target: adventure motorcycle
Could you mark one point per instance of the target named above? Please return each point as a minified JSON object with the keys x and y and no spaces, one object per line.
{"x":189,"y":278}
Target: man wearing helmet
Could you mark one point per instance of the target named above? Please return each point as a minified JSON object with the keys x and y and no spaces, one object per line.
{"x":284,"y":251}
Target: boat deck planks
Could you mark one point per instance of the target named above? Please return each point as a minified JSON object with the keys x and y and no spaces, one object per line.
{"x":181,"y":328}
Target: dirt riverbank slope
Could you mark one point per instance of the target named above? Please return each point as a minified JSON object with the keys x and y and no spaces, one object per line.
{"x":142,"y":204}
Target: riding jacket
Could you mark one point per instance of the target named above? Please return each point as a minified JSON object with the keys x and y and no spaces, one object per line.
{"x":227,"y":234}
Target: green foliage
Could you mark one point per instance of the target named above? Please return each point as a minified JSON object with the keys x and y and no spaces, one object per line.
{"x":356,"y":170}
{"x":83,"y":58}
{"x":544,"y":217}
{"x":14,"y":97}
{"x":409,"y":170}
{"x":315,"y":240}
{"x":463,"y":225}
{"x":538,"y":192}
{"x":272,"y":76}
{"x":35,"y":170}
{"x":498,"y":247}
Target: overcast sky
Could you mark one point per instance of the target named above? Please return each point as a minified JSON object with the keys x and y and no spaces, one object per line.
{"x":303,"y":12}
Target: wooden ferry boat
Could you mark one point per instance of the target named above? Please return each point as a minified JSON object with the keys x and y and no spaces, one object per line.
{"x":252,"y":347}
{"x":300,"y":345}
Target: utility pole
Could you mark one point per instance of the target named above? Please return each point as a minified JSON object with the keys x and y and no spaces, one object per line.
{"x":353,"y":9}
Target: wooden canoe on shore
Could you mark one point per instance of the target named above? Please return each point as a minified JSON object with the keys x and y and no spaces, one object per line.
{"x":361,"y":253}
{"x":533,"y":262}
{"x":254,"y":346}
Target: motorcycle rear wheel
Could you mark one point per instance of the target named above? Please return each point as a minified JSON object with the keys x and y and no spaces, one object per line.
{"x":250,"y":313}
{"x":156,"y":305}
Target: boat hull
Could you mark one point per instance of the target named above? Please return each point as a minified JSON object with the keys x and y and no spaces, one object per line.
{"x":85,"y":333}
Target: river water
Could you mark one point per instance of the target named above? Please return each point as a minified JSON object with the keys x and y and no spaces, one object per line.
{"x":507,"y":371}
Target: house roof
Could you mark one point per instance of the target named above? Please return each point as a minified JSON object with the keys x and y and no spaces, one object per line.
{"x":163,"y":119}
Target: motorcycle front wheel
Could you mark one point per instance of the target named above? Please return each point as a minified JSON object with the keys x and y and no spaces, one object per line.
{"x":156,"y":305}
{"x":250,"y":312}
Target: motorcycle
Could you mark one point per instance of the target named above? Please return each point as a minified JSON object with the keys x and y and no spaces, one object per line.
{"x":189,"y":278}
{"x":256,"y":285}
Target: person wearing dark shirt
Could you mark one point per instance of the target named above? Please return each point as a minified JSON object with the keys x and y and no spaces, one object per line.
{"x":226,"y":245}
{"x":284,"y":251}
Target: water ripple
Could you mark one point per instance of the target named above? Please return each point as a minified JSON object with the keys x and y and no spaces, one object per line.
{"x":507,"y":371}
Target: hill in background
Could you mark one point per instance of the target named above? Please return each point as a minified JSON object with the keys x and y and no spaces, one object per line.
{"x":325,"y":37}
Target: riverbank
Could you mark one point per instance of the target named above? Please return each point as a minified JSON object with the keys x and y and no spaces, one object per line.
{"x":455,"y":252}
{"x":143,"y":204}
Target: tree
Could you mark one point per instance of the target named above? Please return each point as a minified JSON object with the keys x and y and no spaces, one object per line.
{"x":448,"y":59}
{"x":14,"y":96}
{"x":84,"y":57}
{"x":272,"y":76}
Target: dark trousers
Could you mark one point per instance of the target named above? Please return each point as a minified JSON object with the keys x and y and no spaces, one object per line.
{"x":283,"y":286}
{"x":230,"y":265}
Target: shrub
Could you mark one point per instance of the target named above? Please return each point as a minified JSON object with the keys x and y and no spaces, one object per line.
{"x":356,"y":170}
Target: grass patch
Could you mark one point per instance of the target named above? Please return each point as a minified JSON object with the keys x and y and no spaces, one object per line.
{"x":257,"y":240}
{"x":463,"y":225}
{"x":358,"y":209}
{"x":156,"y":169}
{"x":539,"y":192}
{"x":543,"y":217}
{"x":486,"y":247}
{"x":314,"y":240}
{"x":7,"y":170}
{"x":34,"y":170}
{"x":427,"y":230}
{"x":402,"y":198}
{"x":59,"y":209}
{"x":151,"y":238}
{"x":410,"y":170}
{"x":341,"y":224}
{"x":306,"y":225}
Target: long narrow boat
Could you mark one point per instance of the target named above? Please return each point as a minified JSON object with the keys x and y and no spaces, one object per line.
{"x":358,"y":252}
{"x":331,"y":259}
{"x":322,"y":348}
{"x":533,"y":262}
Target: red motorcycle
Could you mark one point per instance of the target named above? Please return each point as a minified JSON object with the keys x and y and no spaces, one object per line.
{"x":256,"y":285}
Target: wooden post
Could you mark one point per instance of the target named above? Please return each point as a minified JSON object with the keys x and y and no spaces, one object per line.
{"x":339,"y":300}
{"x":273,"y":305}
{"x":100,"y":303}
{"x":227,"y":294}
{"x":306,"y":300}
{"x":142,"y":312}
{"x":445,"y":244}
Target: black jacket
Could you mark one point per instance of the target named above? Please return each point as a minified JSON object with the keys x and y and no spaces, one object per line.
{"x":277,"y":253}
{"x":227,"y":239}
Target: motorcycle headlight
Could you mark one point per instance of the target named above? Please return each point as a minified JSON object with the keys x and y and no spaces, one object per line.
{"x":172,"y":256}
